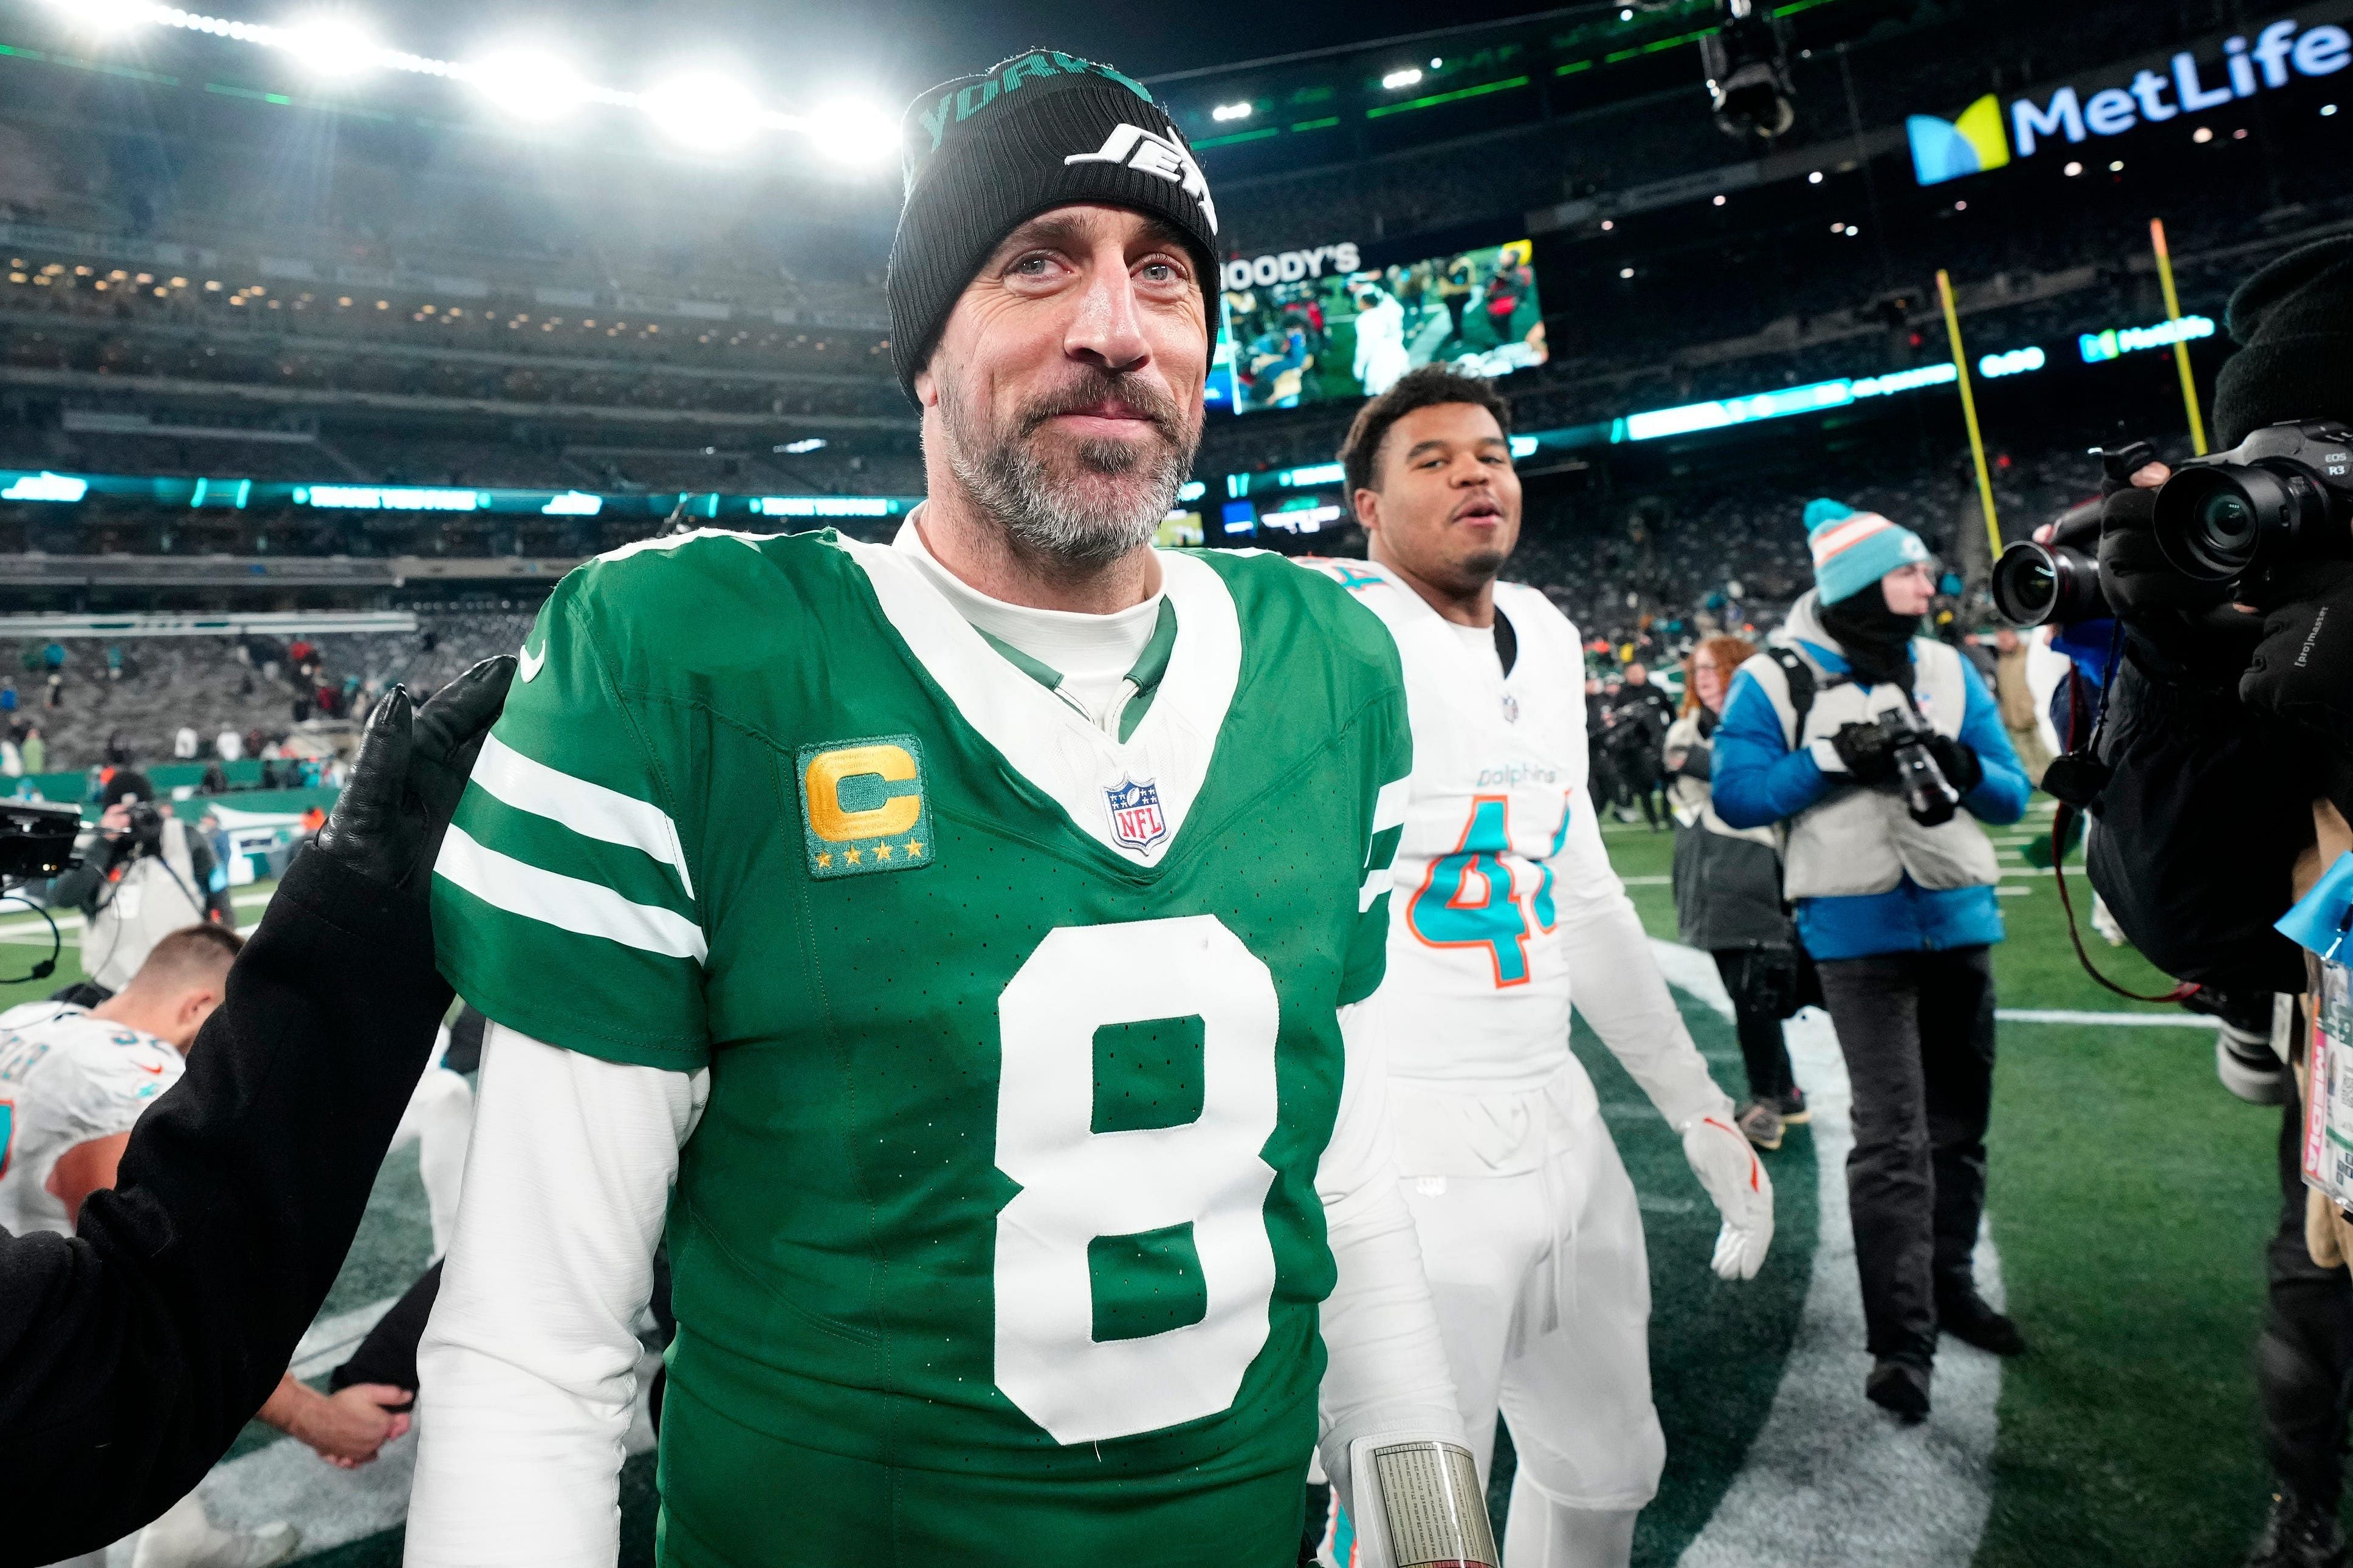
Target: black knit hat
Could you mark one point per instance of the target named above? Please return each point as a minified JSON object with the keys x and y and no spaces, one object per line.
{"x":2295,"y":320}
{"x":985,"y":153}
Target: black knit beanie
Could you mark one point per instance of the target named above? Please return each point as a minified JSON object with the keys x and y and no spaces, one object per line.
{"x":2295,"y":321}
{"x":985,"y":153}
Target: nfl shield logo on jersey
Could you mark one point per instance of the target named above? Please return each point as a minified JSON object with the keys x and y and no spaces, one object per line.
{"x":1136,"y":819}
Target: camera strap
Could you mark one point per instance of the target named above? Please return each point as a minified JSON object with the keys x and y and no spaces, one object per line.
{"x":1799,"y":676}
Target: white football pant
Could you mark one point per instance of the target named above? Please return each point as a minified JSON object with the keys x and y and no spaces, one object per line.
{"x":1531,"y":1239}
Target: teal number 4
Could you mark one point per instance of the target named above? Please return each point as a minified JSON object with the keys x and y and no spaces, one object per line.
{"x":1469,"y":898}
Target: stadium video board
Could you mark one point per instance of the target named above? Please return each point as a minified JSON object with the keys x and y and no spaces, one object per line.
{"x":1353,"y":334}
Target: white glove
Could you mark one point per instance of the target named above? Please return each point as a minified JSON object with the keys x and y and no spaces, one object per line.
{"x":1743,"y":1194}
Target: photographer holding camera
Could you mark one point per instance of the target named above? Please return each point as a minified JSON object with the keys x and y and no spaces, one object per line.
{"x":2224,"y":772}
{"x":143,"y":876}
{"x":1866,"y":741}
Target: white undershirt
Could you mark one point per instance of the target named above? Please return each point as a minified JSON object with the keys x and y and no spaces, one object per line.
{"x":1091,"y":653}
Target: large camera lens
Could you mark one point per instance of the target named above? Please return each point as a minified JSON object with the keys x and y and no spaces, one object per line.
{"x":2213,"y":521}
{"x":2226,"y":521}
{"x":2036,"y":585}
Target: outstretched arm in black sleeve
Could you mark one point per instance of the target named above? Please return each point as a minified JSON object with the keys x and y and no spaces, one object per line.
{"x":132,"y":1352}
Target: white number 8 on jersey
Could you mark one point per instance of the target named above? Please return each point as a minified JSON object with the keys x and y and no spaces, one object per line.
{"x":1078,"y":1184}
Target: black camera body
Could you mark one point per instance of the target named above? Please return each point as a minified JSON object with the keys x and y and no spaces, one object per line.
{"x":2056,"y":583}
{"x":1929,"y":795}
{"x":146,"y":835}
{"x":2229,"y":519}
{"x":37,"y":839}
{"x":2283,"y":496}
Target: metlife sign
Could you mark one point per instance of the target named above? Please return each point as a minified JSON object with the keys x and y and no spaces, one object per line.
{"x":1989,"y":135}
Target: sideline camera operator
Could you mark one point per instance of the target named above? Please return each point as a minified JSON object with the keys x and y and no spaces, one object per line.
{"x":2225,"y":769}
{"x":143,"y":876}
{"x":1867,"y":740}
{"x":132,"y":1352}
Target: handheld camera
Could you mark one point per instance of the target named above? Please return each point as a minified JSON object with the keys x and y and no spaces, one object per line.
{"x":2283,"y":496}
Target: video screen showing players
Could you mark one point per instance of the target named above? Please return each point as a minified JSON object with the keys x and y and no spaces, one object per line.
{"x":1353,"y":335}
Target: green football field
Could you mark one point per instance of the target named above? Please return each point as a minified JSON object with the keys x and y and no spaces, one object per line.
{"x":2130,"y":1199}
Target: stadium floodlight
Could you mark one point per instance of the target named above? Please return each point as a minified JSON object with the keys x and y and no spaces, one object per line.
{"x":330,"y":45}
{"x":1407,"y":76}
{"x":806,"y":443}
{"x":1230,"y":112}
{"x":852,"y":134}
{"x":704,"y":110}
{"x":528,"y":85}
{"x":104,"y":18}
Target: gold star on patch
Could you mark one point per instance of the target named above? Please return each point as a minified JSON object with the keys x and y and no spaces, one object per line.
{"x":882,"y":852}
{"x":914,"y":848}
{"x":852,"y":856}
{"x":824,"y":860}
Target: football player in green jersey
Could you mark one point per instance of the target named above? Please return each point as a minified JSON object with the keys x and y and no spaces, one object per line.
{"x":956,"y":947}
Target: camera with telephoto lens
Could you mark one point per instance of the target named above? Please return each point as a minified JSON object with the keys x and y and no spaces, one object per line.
{"x":145,"y":834}
{"x":1928,"y":794}
{"x":2053,"y":583}
{"x":2283,"y":496}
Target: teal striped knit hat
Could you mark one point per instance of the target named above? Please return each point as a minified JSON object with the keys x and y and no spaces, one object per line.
{"x":1852,"y":549}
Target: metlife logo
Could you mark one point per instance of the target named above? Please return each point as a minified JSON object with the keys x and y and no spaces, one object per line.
{"x":1982,"y":138}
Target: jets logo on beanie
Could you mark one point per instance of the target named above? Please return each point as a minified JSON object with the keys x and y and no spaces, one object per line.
{"x":986,"y":153}
{"x":1852,"y":549}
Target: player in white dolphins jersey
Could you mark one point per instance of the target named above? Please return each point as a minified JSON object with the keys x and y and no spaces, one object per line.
{"x":1503,"y":908}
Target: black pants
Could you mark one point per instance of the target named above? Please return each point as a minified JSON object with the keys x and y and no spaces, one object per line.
{"x":2304,"y":1361}
{"x":1762,"y":1049}
{"x":1917,"y":1030}
{"x":1607,"y":788}
{"x":1642,"y":777}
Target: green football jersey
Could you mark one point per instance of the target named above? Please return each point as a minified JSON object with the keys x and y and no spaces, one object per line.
{"x":998,"y":1238}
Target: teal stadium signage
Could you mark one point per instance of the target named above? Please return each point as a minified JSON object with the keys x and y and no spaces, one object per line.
{"x":1989,"y":135}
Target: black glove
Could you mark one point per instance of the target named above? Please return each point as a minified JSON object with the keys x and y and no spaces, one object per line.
{"x":1698,"y":762}
{"x":1963,"y":769}
{"x":2302,"y":672}
{"x":412,"y":767}
{"x":1864,"y":750}
{"x":2189,"y":625}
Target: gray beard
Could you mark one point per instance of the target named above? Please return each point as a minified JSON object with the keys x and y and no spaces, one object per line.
{"x":1009,"y":480}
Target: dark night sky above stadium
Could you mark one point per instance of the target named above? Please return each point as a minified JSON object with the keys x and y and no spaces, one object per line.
{"x":903,"y":46}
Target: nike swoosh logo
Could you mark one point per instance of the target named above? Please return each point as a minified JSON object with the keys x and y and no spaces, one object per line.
{"x":142,"y":1066}
{"x":531,"y":664}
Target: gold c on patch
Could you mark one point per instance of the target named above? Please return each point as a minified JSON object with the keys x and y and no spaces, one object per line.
{"x":864,"y":806}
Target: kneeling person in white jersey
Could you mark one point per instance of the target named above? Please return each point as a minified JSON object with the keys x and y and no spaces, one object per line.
{"x":73,"y":1080}
{"x":1503,"y":907}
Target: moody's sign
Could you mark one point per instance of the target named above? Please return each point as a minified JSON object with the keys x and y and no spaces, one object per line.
{"x":1983,"y":136}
